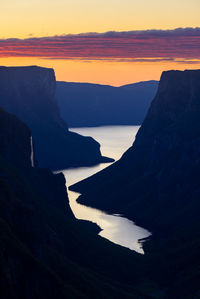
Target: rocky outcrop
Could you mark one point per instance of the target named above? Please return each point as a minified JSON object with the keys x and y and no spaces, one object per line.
{"x":85,"y":104}
{"x":29,"y":93}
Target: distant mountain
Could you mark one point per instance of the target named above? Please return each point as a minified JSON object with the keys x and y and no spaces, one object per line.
{"x":29,"y":93}
{"x":156,"y":182}
{"x":85,"y":104}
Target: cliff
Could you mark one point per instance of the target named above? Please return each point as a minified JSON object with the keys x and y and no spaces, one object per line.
{"x":29,"y":93}
{"x":156,"y":182}
{"x":15,"y":141}
{"x":163,"y":158}
{"x":85,"y":104}
{"x":44,"y":251}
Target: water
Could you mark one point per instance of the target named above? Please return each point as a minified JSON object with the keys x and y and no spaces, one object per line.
{"x":114,"y":140}
{"x":32,"y":152}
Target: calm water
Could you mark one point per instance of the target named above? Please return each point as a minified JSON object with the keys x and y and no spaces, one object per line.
{"x":114,"y":142}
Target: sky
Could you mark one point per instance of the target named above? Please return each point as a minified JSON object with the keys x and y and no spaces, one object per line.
{"x":108,"y":41}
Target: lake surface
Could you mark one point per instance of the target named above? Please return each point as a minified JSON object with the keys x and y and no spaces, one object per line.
{"x":114,"y":140}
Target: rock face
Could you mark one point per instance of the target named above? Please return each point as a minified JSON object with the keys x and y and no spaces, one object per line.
{"x":84,"y":104}
{"x":44,"y":251}
{"x":156,"y":182}
{"x":29,"y":93}
{"x":23,"y":229}
{"x":16,"y":159}
{"x":15,"y":141}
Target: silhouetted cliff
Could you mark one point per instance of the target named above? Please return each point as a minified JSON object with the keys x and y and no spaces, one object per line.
{"x":85,"y":104}
{"x":29,"y":93}
{"x":44,"y":251}
{"x":156,"y":182}
{"x":15,"y":141}
{"x":163,"y":158}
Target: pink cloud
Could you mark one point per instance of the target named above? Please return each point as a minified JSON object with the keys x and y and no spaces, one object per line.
{"x":182,"y":44}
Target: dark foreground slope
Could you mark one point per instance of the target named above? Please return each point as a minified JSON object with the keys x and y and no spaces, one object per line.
{"x":15,"y":141}
{"x":45,"y":252}
{"x":84,"y":104}
{"x":156,"y":182}
{"x":29,"y":93}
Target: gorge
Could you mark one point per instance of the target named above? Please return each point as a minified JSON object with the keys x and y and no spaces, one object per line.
{"x":45,"y":252}
{"x":114,"y":141}
{"x":40,"y":239}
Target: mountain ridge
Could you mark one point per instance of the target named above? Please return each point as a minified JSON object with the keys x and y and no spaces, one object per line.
{"x":87,"y":104}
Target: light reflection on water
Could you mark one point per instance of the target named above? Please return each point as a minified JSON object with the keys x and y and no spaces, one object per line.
{"x":116,"y":228}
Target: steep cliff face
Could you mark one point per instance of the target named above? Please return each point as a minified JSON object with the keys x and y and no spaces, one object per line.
{"x":85,"y":104}
{"x":156,"y":181}
{"x":44,"y":251}
{"x":29,"y":93}
{"x":17,"y":164}
{"x":15,"y":141}
{"x":23,"y":229}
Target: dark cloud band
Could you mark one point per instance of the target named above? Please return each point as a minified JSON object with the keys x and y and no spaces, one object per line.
{"x":150,"y":45}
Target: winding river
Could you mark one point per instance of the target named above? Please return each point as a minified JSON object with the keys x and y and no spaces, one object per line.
{"x":114,"y":140}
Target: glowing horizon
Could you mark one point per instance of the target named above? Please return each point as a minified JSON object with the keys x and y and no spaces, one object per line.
{"x":114,"y":58}
{"x":108,"y":73}
{"x":123,"y":48}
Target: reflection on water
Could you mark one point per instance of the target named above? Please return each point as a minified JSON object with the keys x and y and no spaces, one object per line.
{"x":115,"y":228}
{"x":114,"y":141}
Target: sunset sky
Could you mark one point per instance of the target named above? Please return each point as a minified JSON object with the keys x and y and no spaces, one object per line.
{"x":109,"y":42}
